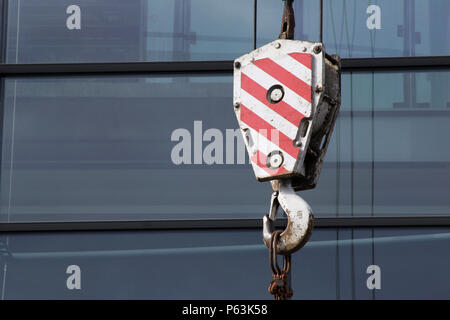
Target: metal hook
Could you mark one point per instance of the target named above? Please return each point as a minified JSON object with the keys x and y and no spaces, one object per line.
{"x":300,"y":219}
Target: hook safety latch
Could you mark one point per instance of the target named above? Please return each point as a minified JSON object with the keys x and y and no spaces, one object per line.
{"x":300,"y":219}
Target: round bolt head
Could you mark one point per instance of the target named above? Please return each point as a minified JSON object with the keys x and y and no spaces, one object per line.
{"x":317,"y":49}
{"x":237,"y":64}
{"x":277,"y":45}
{"x":274,"y":159}
{"x":236,"y":105}
{"x":276,"y":95}
{"x":298,"y":143}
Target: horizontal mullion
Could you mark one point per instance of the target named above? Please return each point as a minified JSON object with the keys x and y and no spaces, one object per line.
{"x":395,"y":63}
{"x":116,"y":68}
{"x":343,"y":222}
{"x":348,"y":65}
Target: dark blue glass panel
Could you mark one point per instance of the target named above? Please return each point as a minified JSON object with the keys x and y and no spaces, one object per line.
{"x":167,"y":147}
{"x":354,"y":28}
{"x":223,"y":265}
{"x":125,"y":148}
{"x":389,"y":153}
{"x":50,"y":31}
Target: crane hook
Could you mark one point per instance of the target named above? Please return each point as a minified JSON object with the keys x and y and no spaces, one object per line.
{"x":300,"y":219}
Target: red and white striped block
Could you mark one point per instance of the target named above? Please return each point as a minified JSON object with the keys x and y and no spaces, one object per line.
{"x":272,"y":95}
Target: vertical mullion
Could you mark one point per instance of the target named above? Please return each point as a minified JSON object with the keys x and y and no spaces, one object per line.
{"x":255,"y":20}
{"x":321,"y":21}
{"x":3,"y":42}
{"x":4,"y":240}
{"x":3,"y":28}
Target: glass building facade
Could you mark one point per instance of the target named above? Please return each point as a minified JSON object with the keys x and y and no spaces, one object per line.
{"x":120,"y":155}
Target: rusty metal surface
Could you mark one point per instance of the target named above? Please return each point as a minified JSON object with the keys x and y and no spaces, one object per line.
{"x":287,"y":21}
{"x":280,"y":286}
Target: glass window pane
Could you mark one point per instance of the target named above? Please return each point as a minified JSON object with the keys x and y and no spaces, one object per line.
{"x":223,"y":264}
{"x":389,"y":154}
{"x":353,"y":28}
{"x":52,"y":31}
{"x":82,"y":148}
{"x":412,"y":255}
{"x":90,"y":148}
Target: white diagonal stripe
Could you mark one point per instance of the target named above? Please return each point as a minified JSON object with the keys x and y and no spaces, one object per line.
{"x":268,"y":115}
{"x":266,"y":146}
{"x":259,"y":172}
{"x":266,"y":81}
{"x":296,"y":68}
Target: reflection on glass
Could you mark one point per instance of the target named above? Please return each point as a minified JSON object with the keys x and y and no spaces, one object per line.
{"x":354,"y":28}
{"x":193,"y":264}
{"x":167,"y":147}
{"x":51,"y":31}
{"x":388,"y":154}
{"x":124,"y":148}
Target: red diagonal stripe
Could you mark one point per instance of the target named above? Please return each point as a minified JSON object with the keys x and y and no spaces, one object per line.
{"x":259,"y":159}
{"x":303,"y":58}
{"x":265,"y":129}
{"x":285,"y":77}
{"x":282,"y":108}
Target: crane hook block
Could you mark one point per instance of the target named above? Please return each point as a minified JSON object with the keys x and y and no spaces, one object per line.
{"x":286,"y":99}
